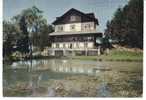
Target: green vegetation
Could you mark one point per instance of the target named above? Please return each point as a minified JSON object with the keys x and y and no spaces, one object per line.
{"x":115,"y":55}
{"x":123,"y":56}
{"x":127,"y":24}
{"x":25,"y":29}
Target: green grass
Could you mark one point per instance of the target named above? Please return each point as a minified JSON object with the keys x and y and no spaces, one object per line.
{"x":115,"y":55}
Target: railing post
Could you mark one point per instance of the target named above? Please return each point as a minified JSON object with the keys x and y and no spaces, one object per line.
{"x":86,"y":52}
{"x":99,"y":50}
{"x":63,"y":52}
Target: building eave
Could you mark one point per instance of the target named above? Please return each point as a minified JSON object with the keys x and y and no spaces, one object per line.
{"x":74,"y":33}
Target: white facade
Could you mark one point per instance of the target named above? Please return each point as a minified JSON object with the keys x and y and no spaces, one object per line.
{"x":86,"y":26}
{"x":75,"y":27}
{"x":73,"y":45}
{"x":67,"y":27}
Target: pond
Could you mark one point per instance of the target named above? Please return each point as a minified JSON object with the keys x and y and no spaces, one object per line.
{"x":72,"y":78}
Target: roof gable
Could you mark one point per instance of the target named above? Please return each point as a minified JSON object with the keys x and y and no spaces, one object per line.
{"x":81,"y":17}
{"x":90,"y":15}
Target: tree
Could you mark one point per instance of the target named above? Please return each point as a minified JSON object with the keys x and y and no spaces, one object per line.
{"x":42,"y":39}
{"x":25,"y":29}
{"x":9,"y":35}
{"x":127,"y":24}
{"x":33,"y":29}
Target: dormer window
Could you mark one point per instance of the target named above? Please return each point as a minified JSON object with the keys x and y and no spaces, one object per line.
{"x":72,"y":18}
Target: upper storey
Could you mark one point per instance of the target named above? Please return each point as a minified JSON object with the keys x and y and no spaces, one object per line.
{"x":74,"y":20}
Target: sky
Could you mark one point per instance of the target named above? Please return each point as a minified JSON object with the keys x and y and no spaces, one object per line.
{"x":103,"y":9}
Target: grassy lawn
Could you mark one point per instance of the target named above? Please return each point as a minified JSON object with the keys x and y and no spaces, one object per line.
{"x":115,"y":55}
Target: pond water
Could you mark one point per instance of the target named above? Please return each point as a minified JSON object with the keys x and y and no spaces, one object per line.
{"x":67,"y":77}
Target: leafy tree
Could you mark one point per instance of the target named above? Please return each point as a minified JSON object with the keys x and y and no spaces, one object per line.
{"x":41,"y":40}
{"x":25,"y":29}
{"x":127,"y":24}
{"x":34,"y":29}
{"x":9,"y":35}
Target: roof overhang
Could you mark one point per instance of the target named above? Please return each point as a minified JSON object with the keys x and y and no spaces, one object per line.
{"x":74,"y":33}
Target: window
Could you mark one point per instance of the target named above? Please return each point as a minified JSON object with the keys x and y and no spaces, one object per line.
{"x":77,"y":45}
{"x":87,"y":27}
{"x":57,"y":45}
{"x":60,"y":28}
{"x":64,"y":45}
{"x":54,"y":45}
{"x":86,"y":45}
{"x":72,"y":18}
{"x":72,"y":27}
{"x":89,"y":38}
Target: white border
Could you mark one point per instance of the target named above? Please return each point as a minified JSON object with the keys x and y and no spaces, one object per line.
{"x":40,"y":98}
{"x":144,"y":52}
{"x":1,"y":65}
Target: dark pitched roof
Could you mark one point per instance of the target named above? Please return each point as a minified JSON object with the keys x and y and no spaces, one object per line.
{"x":88,"y":15}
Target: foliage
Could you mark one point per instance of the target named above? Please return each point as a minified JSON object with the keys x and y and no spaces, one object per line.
{"x":29,"y":21}
{"x":115,"y":55}
{"x":9,"y":31}
{"x":25,"y":29}
{"x":127,"y":24}
{"x":42,"y":39}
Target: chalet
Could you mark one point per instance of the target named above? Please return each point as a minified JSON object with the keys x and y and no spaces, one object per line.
{"x":75,"y":30}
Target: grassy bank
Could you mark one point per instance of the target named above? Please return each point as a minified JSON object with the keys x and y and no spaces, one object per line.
{"x":115,"y":55}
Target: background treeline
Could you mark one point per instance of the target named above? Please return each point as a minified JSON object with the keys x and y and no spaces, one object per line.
{"x":25,"y":29}
{"x":127,"y":25}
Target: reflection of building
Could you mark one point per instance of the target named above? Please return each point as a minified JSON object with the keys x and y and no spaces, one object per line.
{"x":75,"y":30}
{"x":62,"y":66}
{"x":76,"y":68}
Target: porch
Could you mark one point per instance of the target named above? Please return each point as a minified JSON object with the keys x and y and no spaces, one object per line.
{"x":73,"y":52}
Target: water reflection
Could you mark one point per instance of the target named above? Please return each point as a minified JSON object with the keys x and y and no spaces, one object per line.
{"x":21,"y":77}
{"x":43,"y":70}
{"x":67,"y":66}
{"x":64,"y":66}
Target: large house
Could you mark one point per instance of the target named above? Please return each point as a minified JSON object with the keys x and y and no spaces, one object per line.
{"x":75,"y":30}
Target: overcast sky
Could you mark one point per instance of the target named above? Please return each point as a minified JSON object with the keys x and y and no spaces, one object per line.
{"x":103,"y":9}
